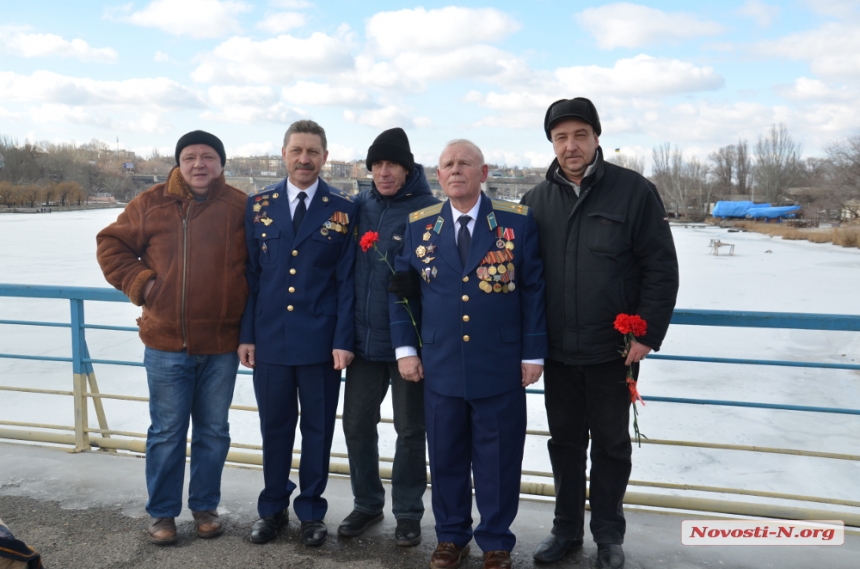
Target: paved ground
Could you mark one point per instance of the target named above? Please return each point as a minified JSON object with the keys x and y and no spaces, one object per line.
{"x":85,"y":511}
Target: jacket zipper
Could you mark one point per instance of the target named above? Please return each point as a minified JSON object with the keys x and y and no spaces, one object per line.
{"x":184,"y":273}
{"x":370,"y":280}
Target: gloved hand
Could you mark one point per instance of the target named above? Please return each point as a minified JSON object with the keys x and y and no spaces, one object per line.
{"x":405,"y":284}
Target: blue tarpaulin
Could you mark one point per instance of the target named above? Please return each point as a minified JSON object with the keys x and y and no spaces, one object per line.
{"x":753,"y":210}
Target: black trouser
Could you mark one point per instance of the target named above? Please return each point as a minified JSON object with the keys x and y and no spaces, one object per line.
{"x":579,"y":399}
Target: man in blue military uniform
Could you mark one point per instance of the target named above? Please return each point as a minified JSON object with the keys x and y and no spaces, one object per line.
{"x":483,"y":339}
{"x":297,"y":329}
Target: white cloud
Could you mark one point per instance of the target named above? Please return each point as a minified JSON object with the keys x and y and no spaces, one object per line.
{"x":161,"y":57}
{"x":49,"y":87}
{"x":432,"y":31}
{"x":7,"y":114}
{"x":281,"y":22}
{"x":805,"y":89}
{"x":194,"y":18}
{"x":632,"y":25}
{"x":256,"y":149}
{"x":291,"y":4}
{"x":248,"y":105}
{"x":307,"y":93}
{"x":23,"y":44}
{"x":762,"y":13}
{"x":510,"y":158}
{"x":386,"y":117}
{"x":473,"y":61}
{"x":341,"y":152}
{"x":146,"y":123}
{"x":838,"y":8}
{"x":640,"y":76}
{"x":832,"y":49}
{"x":274,"y":61}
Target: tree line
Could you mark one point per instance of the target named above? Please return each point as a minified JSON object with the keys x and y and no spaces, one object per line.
{"x":770,"y":171}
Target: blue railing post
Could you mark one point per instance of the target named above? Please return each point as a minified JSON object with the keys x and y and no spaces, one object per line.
{"x":80,"y":370}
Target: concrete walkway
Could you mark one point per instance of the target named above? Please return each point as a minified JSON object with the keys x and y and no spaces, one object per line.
{"x":86,"y":511}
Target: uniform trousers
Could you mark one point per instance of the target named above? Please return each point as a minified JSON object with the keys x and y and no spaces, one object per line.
{"x":366,"y":386}
{"x":280,"y":390}
{"x":580,"y":399}
{"x":484,"y":438}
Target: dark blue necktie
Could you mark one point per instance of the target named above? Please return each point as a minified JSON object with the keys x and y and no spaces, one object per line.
{"x":299,"y":214}
{"x":464,"y":238}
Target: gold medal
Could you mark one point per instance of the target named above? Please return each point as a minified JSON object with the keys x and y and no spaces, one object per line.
{"x":426,"y":236}
{"x":492,"y":270}
{"x":323,"y":231}
{"x":505,"y":288}
{"x":275,"y":195}
{"x":510,"y":266}
{"x":509,"y":245}
{"x":502,"y":269}
{"x":266,"y":221}
{"x":485,"y":286}
{"x":497,"y":287}
{"x":257,"y":207}
{"x":428,"y":260}
{"x":420,"y":251}
{"x":265,"y":203}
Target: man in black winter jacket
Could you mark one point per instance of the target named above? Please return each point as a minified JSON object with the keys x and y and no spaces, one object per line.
{"x":607,"y":250}
{"x":399,"y":188}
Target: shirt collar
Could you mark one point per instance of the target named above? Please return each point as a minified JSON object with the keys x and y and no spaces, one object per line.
{"x":293,"y":191}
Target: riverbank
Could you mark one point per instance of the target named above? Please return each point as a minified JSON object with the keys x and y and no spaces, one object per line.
{"x":59,"y":209}
{"x":845,"y":236}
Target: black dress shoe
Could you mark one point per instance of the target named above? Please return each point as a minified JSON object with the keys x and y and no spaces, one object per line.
{"x":408,"y":533}
{"x":610,"y":556}
{"x":266,"y":528}
{"x":314,"y":532}
{"x":554,"y":548}
{"x":357,"y":522}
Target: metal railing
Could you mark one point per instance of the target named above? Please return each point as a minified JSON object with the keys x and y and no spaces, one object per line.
{"x":85,"y":387}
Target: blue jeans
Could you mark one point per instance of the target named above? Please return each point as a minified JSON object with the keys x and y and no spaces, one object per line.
{"x":366,"y":385}
{"x":183,"y":387}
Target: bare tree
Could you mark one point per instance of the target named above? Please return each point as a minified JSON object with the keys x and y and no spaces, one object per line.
{"x":635,"y":163}
{"x":724,"y":162}
{"x":845,"y":158}
{"x":777,"y":162}
{"x":743,"y":167}
{"x":683,"y":183}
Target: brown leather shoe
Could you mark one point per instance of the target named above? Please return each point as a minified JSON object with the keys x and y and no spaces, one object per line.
{"x":448,"y":556}
{"x":497,"y":560}
{"x":209,"y":523}
{"x":162,"y":531}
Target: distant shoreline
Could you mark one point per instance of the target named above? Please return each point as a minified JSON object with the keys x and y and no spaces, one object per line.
{"x":58,"y":209}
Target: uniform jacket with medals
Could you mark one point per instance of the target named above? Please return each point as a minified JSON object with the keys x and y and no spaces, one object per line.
{"x":302,"y":299}
{"x":479,"y":321}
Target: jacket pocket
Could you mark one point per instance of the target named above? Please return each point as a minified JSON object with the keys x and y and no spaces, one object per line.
{"x":328,"y":247}
{"x":606,"y":232}
{"x":268,"y":243}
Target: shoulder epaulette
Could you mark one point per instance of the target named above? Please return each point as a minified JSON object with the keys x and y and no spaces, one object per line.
{"x":341,"y":194}
{"x":504,"y":205}
{"x":426,"y":212}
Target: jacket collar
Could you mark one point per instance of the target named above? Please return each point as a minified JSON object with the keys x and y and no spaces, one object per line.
{"x":416,"y":184}
{"x":178,"y":188}
{"x":554,"y":173}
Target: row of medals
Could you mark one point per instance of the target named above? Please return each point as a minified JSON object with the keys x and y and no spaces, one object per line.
{"x":495,"y":273}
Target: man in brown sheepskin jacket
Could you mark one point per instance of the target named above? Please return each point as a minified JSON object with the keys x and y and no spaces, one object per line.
{"x":178,"y":250}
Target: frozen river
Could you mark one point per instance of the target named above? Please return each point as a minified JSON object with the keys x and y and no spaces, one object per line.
{"x":765,"y":274}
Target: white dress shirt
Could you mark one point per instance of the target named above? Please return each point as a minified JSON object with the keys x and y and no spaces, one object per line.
{"x":293,"y":195}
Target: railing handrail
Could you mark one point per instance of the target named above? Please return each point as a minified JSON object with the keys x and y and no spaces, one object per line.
{"x":102,"y":294}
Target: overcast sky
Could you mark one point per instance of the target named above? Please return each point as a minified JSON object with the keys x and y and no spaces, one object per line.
{"x":699,"y":75}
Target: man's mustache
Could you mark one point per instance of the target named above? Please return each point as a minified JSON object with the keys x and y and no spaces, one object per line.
{"x":304,"y":167}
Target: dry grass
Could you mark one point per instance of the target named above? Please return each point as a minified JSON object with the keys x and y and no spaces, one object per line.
{"x":845,"y":236}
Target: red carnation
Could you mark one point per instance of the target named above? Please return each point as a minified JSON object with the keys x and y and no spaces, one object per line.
{"x":631,"y":324}
{"x":368,"y":240}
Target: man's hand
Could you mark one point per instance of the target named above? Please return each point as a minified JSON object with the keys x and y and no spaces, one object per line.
{"x":637,"y":352}
{"x":404,"y":284}
{"x":531,"y":373}
{"x":246,"y":355}
{"x":411,"y":368}
{"x":148,"y":287}
{"x":342,"y":358}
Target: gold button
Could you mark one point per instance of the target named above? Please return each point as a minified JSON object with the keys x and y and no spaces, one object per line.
{"x":465,"y":318}
{"x":264,"y":234}
{"x":466,"y":338}
{"x":292,"y":289}
{"x":290,"y":308}
{"x":465,"y":279}
{"x":295,"y":253}
{"x":465,"y":298}
{"x":292,"y":271}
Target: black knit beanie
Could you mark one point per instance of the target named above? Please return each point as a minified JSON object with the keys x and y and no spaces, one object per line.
{"x":201,"y":137}
{"x":391,"y":145}
{"x":578,"y":108}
